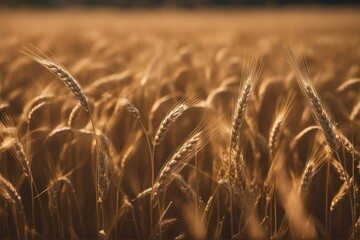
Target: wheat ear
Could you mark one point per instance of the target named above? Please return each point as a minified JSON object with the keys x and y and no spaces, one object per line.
{"x":103,"y":169}
{"x":10,"y":194}
{"x":185,"y":188}
{"x":344,"y":189}
{"x":171,"y":117}
{"x":74,"y":115}
{"x":195,"y":142}
{"x":282,"y":113}
{"x":348,"y":146}
{"x":250,"y":78}
{"x":33,"y":111}
{"x":315,"y":161}
{"x":63,"y":75}
{"x":298,"y":63}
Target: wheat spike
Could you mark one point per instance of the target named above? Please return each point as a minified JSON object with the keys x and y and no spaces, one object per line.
{"x":281,"y":114}
{"x":171,"y":117}
{"x":250,"y":79}
{"x":306,"y":179}
{"x":103,"y":168}
{"x":11,"y":195}
{"x":74,"y":115}
{"x":63,"y":75}
{"x":185,"y":188}
{"x":34,"y":110}
{"x":315,"y":161}
{"x":297,"y":62}
{"x":348,"y":146}
{"x":176,"y":163}
{"x":129,"y":107}
{"x":168,"y":120}
{"x":344,"y":189}
{"x":343,"y":175}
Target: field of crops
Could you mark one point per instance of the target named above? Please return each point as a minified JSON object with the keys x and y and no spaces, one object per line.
{"x":171,"y":124}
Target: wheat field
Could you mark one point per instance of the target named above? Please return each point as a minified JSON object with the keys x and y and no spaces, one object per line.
{"x":171,"y":124}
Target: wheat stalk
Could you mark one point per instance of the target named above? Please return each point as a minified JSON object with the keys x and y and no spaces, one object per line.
{"x":74,"y":115}
{"x":343,"y":175}
{"x":103,"y":168}
{"x":10,"y":194}
{"x":303,"y":78}
{"x":282,"y":113}
{"x":348,"y":146}
{"x":315,"y":161}
{"x":195,"y":142}
{"x":129,"y":107}
{"x":176,"y":163}
{"x":63,"y":75}
{"x":250,"y":79}
{"x":174,"y":113}
{"x":185,"y":188}
{"x":344,"y":189}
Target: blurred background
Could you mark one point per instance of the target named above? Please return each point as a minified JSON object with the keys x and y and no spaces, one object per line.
{"x":172,"y":3}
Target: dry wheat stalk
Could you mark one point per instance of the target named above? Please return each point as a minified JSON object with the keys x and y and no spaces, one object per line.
{"x":343,"y":175}
{"x":74,"y":115}
{"x":250,"y":79}
{"x":54,"y":188}
{"x":241,"y":180}
{"x":322,"y":119}
{"x":174,"y":113}
{"x":59,"y":131}
{"x":168,"y":120}
{"x":282,"y":113}
{"x":208,"y":207}
{"x":185,"y":188}
{"x":158,"y":105}
{"x":177,"y":162}
{"x":301,"y":70}
{"x":53,"y":191}
{"x":306,"y":179}
{"x":348,"y":146}
{"x":103,"y":168}
{"x":34,"y":110}
{"x":37,"y":100}
{"x":19,"y":153}
{"x":315,"y":161}
{"x":344,"y":189}
{"x":63,"y":75}
{"x":10,"y":194}
{"x":275,"y":133}
{"x":129,"y":107}
{"x":144,"y":193}
{"x":14,"y":143}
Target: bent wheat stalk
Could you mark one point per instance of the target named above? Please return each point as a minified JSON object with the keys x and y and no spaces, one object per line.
{"x":195,"y":142}
{"x":171,"y":117}
{"x":73,"y":85}
{"x":63,"y":75}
